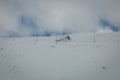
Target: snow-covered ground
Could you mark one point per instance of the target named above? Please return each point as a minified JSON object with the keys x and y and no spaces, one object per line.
{"x":85,"y":57}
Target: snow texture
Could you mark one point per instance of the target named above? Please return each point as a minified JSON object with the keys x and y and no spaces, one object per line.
{"x":85,"y":57}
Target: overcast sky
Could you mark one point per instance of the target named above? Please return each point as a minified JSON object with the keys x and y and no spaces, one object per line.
{"x":50,"y":17}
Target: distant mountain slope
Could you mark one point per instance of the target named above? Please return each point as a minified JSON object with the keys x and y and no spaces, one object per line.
{"x":85,"y":57}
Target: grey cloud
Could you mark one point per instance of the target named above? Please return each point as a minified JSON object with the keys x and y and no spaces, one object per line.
{"x":58,"y":15}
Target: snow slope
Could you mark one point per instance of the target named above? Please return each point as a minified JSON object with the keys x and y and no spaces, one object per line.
{"x":85,"y":57}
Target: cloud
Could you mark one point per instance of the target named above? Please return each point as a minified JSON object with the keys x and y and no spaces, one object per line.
{"x":106,"y":24}
{"x":50,"y":17}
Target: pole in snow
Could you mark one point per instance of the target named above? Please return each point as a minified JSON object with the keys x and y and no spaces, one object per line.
{"x":94,"y":40}
{"x":56,"y":39}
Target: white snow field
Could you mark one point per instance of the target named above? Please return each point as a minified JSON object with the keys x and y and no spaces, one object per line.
{"x":85,"y":57}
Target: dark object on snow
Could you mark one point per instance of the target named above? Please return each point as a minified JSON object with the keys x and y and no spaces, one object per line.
{"x":59,"y":40}
{"x":67,"y":38}
{"x":103,"y":67}
{"x":1,"y":48}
